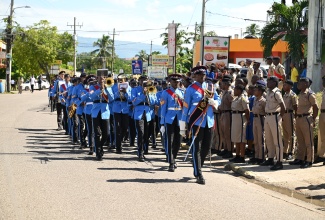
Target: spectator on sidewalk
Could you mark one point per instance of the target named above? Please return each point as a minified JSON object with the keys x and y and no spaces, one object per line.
{"x":321,"y":133}
{"x":32,"y":83}
{"x":20,"y":85}
{"x":12,"y":82}
{"x":39,"y":81}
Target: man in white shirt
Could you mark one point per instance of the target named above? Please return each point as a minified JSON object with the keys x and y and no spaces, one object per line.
{"x":32,"y":83}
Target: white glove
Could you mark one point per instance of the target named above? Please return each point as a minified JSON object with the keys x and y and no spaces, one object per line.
{"x":182,"y":128}
{"x":162,"y":129}
{"x":213,"y":103}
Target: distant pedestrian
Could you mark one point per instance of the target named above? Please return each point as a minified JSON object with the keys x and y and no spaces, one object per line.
{"x":12,"y":82}
{"x":20,"y":85}
{"x":39,"y":81}
{"x":294,"y":77}
{"x":32,"y":83}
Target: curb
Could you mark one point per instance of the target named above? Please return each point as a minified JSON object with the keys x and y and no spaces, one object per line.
{"x":240,"y":170}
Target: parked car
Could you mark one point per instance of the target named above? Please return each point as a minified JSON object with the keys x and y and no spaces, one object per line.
{"x":45,"y":85}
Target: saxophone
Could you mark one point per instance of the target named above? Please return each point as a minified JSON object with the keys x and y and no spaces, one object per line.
{"x":72,"y":109}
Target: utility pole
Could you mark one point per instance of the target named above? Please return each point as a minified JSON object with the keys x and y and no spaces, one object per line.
{"x":75,"y":43}
{"x":194,"y":46}
{"x":314,"y":65}
{"x":151,"y":48}
{"x":9,"y":46}
{"x":202,"y":29}
{"x":113,"y":51}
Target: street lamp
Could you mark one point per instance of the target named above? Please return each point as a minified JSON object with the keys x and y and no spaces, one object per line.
{"x":9,"y":42}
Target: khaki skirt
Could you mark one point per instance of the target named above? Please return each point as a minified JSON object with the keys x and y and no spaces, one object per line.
{"x":238,"y":128}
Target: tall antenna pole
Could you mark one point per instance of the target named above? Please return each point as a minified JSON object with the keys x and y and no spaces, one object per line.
{"x":75,"y":43}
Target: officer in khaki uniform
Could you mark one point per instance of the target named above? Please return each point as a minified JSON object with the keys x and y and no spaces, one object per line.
{"x":269,"y":61}
{"x":274,"y":110}
{"x":304,"y":124}
{"x":279,"y":71}
{"x":250,"y":71}
{"x":258,"y":123}
{"x":288,"y":121}
{"x":321,"y":131}
{"x":225,"y":118}
{"x":239,"y":121}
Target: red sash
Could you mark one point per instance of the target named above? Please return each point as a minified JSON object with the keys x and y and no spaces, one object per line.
{"x":279,"y":75}
{"x":173,"y":95}
{"x":64,"y":87}
{"x":197,"y":88}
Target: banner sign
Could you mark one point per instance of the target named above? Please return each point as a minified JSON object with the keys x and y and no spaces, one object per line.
{"x":137,"y":67}
{"x":157,"y":72}
{"x":160,"y":60}
{"x":171,"y":40}
{"x":216,"y":50}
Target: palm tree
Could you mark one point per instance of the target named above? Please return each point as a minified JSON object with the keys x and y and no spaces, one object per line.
{"x":104,"y":51}
{"x":142,"y":55}
{"x":288,"y":23}
{"x":253,"y":30}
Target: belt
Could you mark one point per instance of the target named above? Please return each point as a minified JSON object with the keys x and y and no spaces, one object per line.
{"x":272,"y":113}
{"x":119,"y":100}
{"x":238,"y":112}
{"x":146,"y":104}
{"x":303,"y":115}
{"x":89,"y":103}
{"x":98,"y":101}
{"x":224,"y":111}
{"x":288,"y":111}
{"x":257,"y":115}
{"x":175,"y":109}
{"x":322,"y":110}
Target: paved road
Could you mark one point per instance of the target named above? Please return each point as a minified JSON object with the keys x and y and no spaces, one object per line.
{"x":41,"y":177}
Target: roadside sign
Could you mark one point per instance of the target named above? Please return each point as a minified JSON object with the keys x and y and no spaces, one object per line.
{"x":157,"y":72}
{"x":137,"y":67}
{"x":160,"y":60}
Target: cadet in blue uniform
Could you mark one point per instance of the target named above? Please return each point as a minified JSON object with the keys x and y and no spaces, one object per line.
{"x":142,"y":114}
{"x":63,"y":97}
{"x":100,"y":113}
{"x":171,"y":112}
{"x":158,"y":95}
{"x":59,"y":107}
{"x":198,"y":112}
{"x":74,"y":117}
{"x":85,"y":98}
{"x":82,"y":132}
{"x":132,"y":129}
{"x":122,"y":97}
{"x":111,"y":139}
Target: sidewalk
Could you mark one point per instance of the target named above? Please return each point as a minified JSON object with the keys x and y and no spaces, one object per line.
{"x":308,"y":183}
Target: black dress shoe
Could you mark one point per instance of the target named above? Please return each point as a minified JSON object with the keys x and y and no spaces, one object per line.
{"x":171,"y":168}
{"x":76,"y":142}
{"x":289,"y":157}
{"x":319,"y":160}
{"x":240,"y":160}
{"x":154,"y":146}
{"x":99,"y":154}
{"x":141,"y":158}
{"x":260,"y":161}
{"x":234,"y":159}
{"x":218,"y":152}
{"x":146,"y":152}
{"x":223,"y":152}
{"x":253,"y":160}
{"x":175,"y":165}
{"x":269,"y":162}
{"x":111,"y":147}
{"x":200,"y":180}
{"x":296,"y":162}
{"x":306,"y":165}
{"x":227,"y":155}
{"x":162,"y":150}
{"x":119,"y":151}
{"x":214,"y":151}
{"x":285,"y":155}
{"x":277,"y":166}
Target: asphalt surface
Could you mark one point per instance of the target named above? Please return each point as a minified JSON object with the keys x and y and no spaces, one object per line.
{"x":41,"y":177}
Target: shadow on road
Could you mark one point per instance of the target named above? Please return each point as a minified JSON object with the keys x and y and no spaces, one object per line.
{"x":183,"y":180}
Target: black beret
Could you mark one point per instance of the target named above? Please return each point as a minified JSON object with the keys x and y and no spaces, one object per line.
{"x":240,"y":87}
{"x":304,"y":79}
{"x":176,"y":77}
{"x":289,"y":82}
{"x":276,"y":58}
{"x":269,"y":58}
{"x":83,"y":75}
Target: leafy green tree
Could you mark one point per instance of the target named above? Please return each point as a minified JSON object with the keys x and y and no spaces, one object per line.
{"x":65,"y":48}
{"x":253,"y":30}
{"x":36,"y":48}
{"x":156,"y":52}
{"x":287,"y":23}
{"x":104,"y":51}
{"x":142,"y":55}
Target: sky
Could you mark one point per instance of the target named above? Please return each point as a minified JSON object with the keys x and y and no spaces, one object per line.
{"x":99,"y":17}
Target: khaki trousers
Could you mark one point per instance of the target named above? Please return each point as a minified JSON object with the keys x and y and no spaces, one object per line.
{"x":288,"y":125}
{"x":258,"y":131}
{"x":225,"y":130}
{"x":216,"y":138}
{"x":321,"y":136}
{"x":273,"y":136}
{"x":305,"y":138}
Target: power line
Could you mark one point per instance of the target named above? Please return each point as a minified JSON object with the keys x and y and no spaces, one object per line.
{"x":245,"y":19}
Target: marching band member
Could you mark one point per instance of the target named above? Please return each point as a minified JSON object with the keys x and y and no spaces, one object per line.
{"x":111,"y":138}
{"x":159,"y":93}
{"x":171,"y":112}
{"x":198,"y":113}
{"x":142,"y":115}
{"x":132,"y":129}
{"x":59,"y":107}
{"x":63,"y":98}
{"x":85,"y":98}
{"x":72,"y":112}
{"x":101,"y":96}
{"x":82,"y":132}
{"x":122,"y":96}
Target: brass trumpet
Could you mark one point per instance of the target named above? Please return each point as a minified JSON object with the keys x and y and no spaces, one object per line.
{"x":109,"y":82}
{"x":152,"y":90}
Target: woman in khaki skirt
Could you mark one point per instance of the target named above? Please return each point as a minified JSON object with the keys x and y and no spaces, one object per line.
{"x":240,"y":119}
